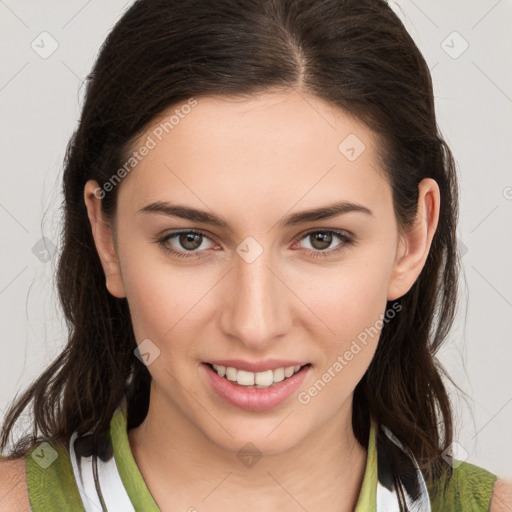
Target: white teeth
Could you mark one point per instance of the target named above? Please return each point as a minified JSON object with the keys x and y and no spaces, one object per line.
{"x":263,"y":378}
{"x":289,"y":371}
{"x":231,"y":373}
{"x":278,"y":374}
{"x":245,"y":378}
{"x":259,"y":379}
{"x":221,"y":370}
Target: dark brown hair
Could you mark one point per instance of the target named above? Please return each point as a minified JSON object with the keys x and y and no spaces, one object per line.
{"x":355,"y":54}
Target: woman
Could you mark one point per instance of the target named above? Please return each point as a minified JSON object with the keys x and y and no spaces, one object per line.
{"x":259,"y":264}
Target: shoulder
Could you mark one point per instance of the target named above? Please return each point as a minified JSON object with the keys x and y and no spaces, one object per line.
{"x":470,"y":487}
{"x":502,"y":496}
{"x":42,"y":480}
{"x":50,"y":478}
{"x":13,"y":485}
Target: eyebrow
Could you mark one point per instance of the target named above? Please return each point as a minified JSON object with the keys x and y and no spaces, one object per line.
{"x":192,"y":214}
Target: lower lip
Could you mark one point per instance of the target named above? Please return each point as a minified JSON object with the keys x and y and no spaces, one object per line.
{"x":253,"y":399}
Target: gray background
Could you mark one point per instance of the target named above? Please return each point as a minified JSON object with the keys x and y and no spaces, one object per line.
{"x":40,"y":99}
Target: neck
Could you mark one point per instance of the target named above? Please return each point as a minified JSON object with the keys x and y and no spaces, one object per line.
{"x":182,"y":467}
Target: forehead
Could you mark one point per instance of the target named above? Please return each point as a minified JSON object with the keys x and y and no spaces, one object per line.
{"x":280,"y":147}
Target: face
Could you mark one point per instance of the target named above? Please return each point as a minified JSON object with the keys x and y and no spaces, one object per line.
{"x":249,"y":278}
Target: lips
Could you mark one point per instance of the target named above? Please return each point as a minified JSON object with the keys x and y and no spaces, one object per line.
{"x":251,"y":398}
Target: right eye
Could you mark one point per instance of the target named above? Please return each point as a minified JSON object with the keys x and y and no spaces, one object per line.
{"x":189,"y":241}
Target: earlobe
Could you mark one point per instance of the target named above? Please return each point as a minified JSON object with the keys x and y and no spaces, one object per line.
{"x":104,"y":240}
{"x":415,"y":243}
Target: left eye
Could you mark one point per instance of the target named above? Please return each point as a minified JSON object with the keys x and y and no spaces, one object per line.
{"x":321,"y":240}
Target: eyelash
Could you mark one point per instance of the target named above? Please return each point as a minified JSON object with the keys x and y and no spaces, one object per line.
{"x":345,"y":239}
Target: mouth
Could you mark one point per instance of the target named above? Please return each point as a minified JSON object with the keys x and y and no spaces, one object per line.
{"x":256,"y":380}
{"x":254,"y":391}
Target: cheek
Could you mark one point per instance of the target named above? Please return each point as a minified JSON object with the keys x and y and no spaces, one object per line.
{"x":351,"y":306}
{"x":161,"y":301}
{"x":348,"y":298}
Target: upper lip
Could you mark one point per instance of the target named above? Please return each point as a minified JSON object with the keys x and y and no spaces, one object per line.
{"x":257,"y":366}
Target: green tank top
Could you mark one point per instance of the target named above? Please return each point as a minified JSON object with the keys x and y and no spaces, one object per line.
{"x":52,"y":486}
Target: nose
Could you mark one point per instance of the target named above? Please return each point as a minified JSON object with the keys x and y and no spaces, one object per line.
{"x":258,"y":309}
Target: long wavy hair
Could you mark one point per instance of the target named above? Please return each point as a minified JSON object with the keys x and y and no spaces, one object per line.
{"x":355,"y":54}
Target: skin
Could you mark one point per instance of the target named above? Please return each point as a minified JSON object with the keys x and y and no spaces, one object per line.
{"x":253,"y":162}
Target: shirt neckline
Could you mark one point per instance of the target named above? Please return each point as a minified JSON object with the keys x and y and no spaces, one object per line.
{"x":142,"y":499}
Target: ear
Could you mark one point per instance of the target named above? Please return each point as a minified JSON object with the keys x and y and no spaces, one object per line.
{"x":414,"y":245}
{"x":103,"y":235}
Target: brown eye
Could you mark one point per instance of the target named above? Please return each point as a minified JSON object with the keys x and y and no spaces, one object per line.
{"x":190,"y":241}
{"x":321,"y":240}
{"x":184,"y":244}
